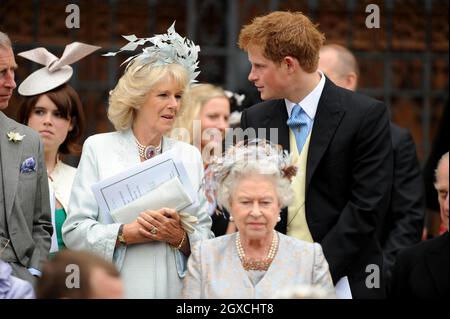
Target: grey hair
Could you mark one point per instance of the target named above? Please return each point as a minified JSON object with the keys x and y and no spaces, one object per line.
{"x":5,"y":41}
{"x":444,"y":158}
{"x":246,"y":168}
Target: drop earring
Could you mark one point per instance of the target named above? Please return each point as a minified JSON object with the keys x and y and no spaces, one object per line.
{"x":231,"y":218}
{"x":278,"y":219}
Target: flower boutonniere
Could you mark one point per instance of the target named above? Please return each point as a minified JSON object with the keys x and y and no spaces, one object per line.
{"x":15,"y":137}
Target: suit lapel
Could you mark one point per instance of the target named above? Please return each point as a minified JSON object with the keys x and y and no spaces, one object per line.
{"x":276,"y":118}
{"x":11,"y":155}
{"x":328,"y":116}
{"x":434,"y":260}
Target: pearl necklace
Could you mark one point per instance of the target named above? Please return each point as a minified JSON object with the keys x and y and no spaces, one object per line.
{"x":147,"y":152}
{"x":262,"y":265}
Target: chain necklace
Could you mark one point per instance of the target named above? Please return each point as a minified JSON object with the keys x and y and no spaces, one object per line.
{"x":147,"y":152}
{"x":251,"y":264}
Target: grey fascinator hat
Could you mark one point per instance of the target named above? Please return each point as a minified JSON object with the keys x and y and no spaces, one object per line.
{"x":164,"y":49}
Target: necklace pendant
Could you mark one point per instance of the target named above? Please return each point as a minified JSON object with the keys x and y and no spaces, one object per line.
{"x":149,"y":152}
{"x":260,"y":265}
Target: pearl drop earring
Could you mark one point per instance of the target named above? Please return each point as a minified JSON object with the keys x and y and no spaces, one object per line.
{"x":231,"y":219}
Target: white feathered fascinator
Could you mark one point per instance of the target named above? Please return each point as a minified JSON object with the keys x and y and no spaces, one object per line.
{"x":165,"y":49}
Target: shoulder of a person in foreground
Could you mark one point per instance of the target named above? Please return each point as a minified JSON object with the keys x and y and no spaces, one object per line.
{"x":297,"y":243}
{"x":217,"y":243}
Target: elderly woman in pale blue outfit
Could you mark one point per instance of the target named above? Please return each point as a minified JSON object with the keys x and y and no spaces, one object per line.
{"x":253,"y":183}
{"x":142,"y":108}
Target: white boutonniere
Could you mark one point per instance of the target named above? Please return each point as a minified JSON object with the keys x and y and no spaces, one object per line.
{"x":15,"y":137}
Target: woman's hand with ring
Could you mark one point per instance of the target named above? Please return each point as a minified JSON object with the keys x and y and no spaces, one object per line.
{"x":132,"y":233}
{"x":162,"y":225}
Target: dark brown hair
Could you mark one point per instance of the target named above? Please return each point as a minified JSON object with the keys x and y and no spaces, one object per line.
{"x":283,"y":33}
{"x":69,"y":105}
{"x":55,"y":273}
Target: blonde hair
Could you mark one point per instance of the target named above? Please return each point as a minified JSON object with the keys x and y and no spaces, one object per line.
{"x":131,"y":91}
{"x":199,"y":95}
{"x":282,"y":34}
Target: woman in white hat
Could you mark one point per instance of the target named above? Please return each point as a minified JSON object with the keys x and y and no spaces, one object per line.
{"x":53,"y":108}
{"x":151,"y":251}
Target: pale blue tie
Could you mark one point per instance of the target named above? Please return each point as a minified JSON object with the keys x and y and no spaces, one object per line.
{"x":300,"y":124}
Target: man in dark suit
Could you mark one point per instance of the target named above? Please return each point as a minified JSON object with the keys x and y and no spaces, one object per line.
{"x":421,"y":271}
{"x":25,"y":223}
{"x":348,"y":173}
{"x":440,"y":144}
{"x":403,"y":223}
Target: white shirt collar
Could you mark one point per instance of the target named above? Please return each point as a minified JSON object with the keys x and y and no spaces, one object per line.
{"x":311,"y":101}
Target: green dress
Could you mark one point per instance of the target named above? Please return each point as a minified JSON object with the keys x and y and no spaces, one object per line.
{"x":60,"y":217}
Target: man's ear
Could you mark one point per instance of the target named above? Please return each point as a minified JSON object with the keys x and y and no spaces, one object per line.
{"x":351,"y":81}
{"x":291,"y":63}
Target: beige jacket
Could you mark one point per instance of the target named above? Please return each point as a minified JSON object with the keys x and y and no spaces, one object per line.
{"x":61,"y":180}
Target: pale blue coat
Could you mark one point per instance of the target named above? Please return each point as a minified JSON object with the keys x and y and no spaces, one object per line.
{"x":88,"y":228}
{"x":215,"y":270}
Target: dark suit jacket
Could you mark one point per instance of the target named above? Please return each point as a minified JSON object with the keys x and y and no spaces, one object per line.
{"x":26,"y":196}
{"x":403,"y":224}
{"x":421,"y":271}
{"x":220,"y":223}
{"x":348,"y":178}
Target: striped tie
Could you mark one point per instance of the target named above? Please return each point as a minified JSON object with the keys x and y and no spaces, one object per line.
{"x":299,"y":123}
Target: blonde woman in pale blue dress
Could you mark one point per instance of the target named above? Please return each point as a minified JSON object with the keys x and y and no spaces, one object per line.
{"x":142,"y":108}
